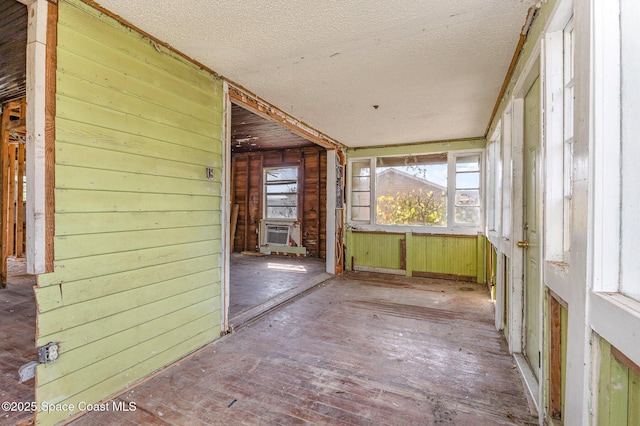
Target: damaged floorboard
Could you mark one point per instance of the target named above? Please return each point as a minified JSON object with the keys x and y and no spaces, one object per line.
{"x":362,"y":349}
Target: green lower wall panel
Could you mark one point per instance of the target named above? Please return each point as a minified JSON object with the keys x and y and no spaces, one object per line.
{"x":618,"y":391}
{"x":374,"y":250}
{"x":449,"y":255}
{"x":138,"y":231}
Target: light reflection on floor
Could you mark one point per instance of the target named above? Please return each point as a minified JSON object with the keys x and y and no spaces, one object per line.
{"x":287,"y":267}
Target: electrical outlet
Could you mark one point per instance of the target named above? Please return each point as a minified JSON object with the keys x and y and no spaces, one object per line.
{"x":48,"y":353}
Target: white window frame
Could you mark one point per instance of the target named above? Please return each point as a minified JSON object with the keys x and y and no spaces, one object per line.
{"x":494,"y":186}
{"x":559,"y":138}
{"x":451,"y":227}
{"x":265,"y":207}
{"x":612,"y":313}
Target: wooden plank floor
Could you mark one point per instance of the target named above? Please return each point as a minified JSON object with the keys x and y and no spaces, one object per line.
{"x":17,"y":339}
{"x":361,"y":349}
{"x":255,"y":280}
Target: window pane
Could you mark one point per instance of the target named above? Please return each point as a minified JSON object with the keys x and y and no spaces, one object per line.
{"x":467,"y":214}
{"x":468,"y":180}
{"x":360,"y":213}
{"x":412,"y":190}
{"x":285,"y":173}
{"x":282,"y":188}
{"x":361,"y":198}
{"x":468,"y":164}
{"x":361,"y":168}
{"x":282,"y":212}
{"x":361,"y":183}
{"x":467,"y":198}
{"x":282,"y":200}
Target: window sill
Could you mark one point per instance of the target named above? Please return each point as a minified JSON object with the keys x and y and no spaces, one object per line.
{"x":616,"y":318}
{"x":435,"y":230}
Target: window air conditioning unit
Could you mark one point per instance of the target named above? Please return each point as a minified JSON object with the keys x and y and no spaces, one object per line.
{"x":277,"y":235}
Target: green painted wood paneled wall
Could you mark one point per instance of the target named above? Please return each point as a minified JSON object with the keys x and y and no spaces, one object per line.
{"x":374,"y":250}
{"x":437,"y":254}
{"x":444,"y":254}
{"x":618,"y":391}
{"x":137,"y":279}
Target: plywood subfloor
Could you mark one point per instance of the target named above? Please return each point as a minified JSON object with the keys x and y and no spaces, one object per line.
{"x":361,"y":349}
{"x":255,"y":280}
{"x":17,"y":339}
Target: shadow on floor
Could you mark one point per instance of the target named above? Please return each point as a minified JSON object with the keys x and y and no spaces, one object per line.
{"x":360,"y":349}
{"x":17,"y":339}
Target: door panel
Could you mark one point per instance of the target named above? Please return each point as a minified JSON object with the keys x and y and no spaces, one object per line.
{"x":532,"y":234}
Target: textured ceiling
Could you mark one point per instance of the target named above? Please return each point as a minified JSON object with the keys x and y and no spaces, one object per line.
{"x":364,"y":72}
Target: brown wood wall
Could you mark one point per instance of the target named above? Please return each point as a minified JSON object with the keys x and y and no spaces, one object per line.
{"x":246,"y":189}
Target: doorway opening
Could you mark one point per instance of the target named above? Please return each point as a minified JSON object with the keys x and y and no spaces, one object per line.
{"x":18,"y":313}
{"x":278,"y":215}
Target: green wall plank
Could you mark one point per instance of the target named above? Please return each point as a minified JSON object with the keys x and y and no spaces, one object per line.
{"x":96,"y":309}
{"x":165,"y":115}
{"x":108,"y":346}
{"x":127,"y":376}
{"x":89,"y":333}
{"x":54,"y":296}
{"x":604,"y":383}
{"x":76,"y":201}
{"x":108,"y":32}
{"x":102,"y":159}
{"x":137,"y":281}
{"x":100,"y":222}
{"x":135,"y":83}
{"x":78,"y":133}
{"x":440,"y":254}
{"x":125,"y":121}
{"x":444,"y":254}
{"x":619,"y":393}
{"x":73,"y":177}
{"x":634,"y":399}
{"x":80,"y":268}
{"x":69,"y":247}
{"x":376,"y":250}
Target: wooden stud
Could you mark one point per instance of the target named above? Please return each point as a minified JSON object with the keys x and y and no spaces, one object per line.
{"x":4,"y":190}
{"x":260,"y":197}
{"x":246,"y":206}
{"x":50,"y":133}
{"x":301,"y":191}
{"x":555,"y":359}
{"x":11,"y":200}
{"x":234,"y":223}
{"x":318,"y":198}
{"x":19,"y":251}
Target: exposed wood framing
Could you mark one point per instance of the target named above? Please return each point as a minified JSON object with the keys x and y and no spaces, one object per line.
{"x":50,"y":132}
{"x":555,"y":358}
{"x":318,"y":201}
{"x":19,"y":246}
{"x":270,"y":112}
{"x":12,"y":163}
{"x":301,"y":192}
{"x":311,"y":194}
{"x":246,"y":206}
